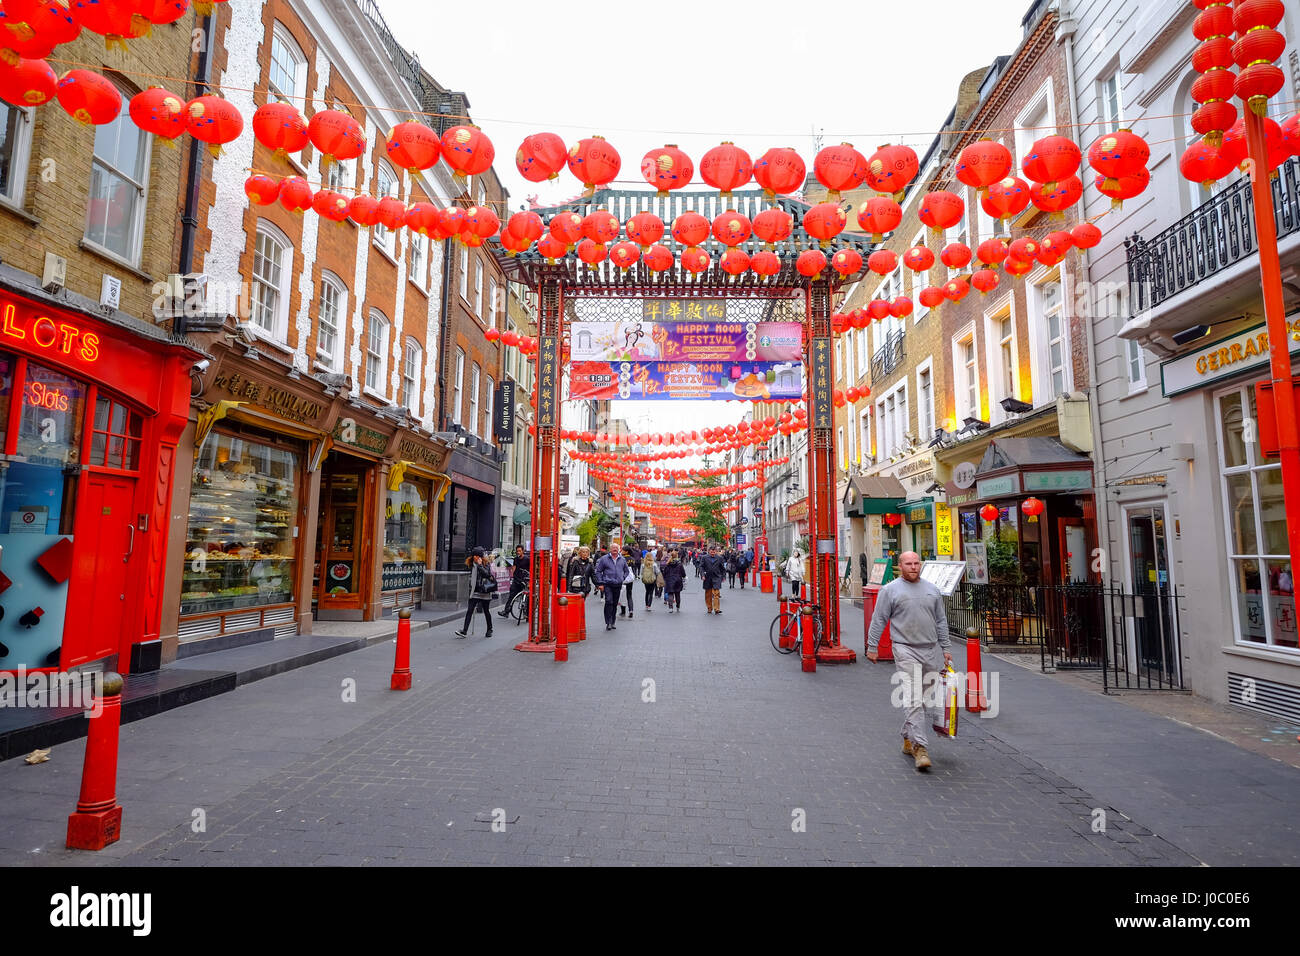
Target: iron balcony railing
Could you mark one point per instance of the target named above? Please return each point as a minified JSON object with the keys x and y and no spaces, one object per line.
{"x":1214,"y":236}
{"x":889,"y":356}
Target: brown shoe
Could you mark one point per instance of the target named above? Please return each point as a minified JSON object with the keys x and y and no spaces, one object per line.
{"x":921,"y":757}
{"x":907,"y":747}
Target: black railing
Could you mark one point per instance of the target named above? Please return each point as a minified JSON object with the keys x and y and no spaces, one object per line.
{"x":1214,"y":236}
{"x":889,"y":356}
{"x":1130,"y":638}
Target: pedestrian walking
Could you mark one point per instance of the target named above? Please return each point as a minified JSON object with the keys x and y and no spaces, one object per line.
{"x":794,"y":571}
{"x":611,"y":569}
{"x":674,"y":578}
{"x":629,"y":581}
{"x":482,"y":585}
{"x":713,"y":568}
{"x":744,"y":559}
{"x":580,"y":572}
{"x":918,"y":630}
{"x":649,"y":575}
{"x":518,"y":578}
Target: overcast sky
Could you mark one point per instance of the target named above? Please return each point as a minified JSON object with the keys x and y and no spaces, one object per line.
{"x":760,"y":74}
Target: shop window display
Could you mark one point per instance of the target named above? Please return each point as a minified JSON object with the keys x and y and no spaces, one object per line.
{"x":406,"y":531}
{"x":240,"y":545}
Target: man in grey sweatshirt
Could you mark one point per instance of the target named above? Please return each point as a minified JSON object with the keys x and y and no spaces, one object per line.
{"x":918,"y":630}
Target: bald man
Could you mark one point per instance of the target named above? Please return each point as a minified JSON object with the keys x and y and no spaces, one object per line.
{"x":918,"y":630}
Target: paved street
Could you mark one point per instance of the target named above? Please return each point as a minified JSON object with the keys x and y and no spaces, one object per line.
{"x":735,"y":744}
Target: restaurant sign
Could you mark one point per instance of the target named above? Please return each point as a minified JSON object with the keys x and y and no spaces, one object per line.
{"x":1237,"y":353}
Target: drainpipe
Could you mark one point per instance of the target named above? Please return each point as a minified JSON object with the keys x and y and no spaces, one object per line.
{"x":194,"y":167}
{"x":1065,"y":35}
{"x":444,"y":333}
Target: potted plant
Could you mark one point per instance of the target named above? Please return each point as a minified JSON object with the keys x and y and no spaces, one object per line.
{"x":1003,"y":601}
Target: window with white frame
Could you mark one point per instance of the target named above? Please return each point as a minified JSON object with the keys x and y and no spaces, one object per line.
{"x":848,"y":356}
{"x":891,"y":415}
{"x":376,"y":351}
{"x":475,"y":376}
{"x":1110,"y":101}
{"x":1048,"y":314}
{"x":411,"y":362}
{"x":119,"y":183}
{"x":1262,"y":579}
{"x":269,"y":292}
{"x":287,"y":73}
{"x":464,"y":273}
{"x":925,"y":400}
{"x":494,"y":304}
{"x":959,"y":233}
{"x":15,"y":147}
{"x":458,"y":392}
{"x":842,"y":450}
{"x":341,"y":176}
{"x":385,"y":185}
{"x":1000,"y":340}
{"x":966,"y":382}
{"x":1036,"y":120}
{"x":478,"y":289}
{"x":864,"y":426}
{"x":489,"y":407}
{"x":330,"y":309}
{"x":419,"y":273}
{"x":919,"y":281}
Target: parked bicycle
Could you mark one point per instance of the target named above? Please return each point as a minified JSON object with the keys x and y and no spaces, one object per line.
{"x":785,"y":627}
{"x":518,"y":608}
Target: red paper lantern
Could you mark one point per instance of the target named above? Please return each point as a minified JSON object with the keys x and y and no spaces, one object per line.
{"x":955,"y":255}
{"x":601,"y":226}
{"x":214,"y":121}
{"x":992,"y":252}
{"x":879,"y":215}
{"x":1051,"y":159}
{"x":594,"y":162}
{"x":1126,"y":187}
{"x":1118,"y":155}
{"x":525,"y":225}
{"x":591,"y":252}
{"x":690,"y":229}
{"x":492,"y":335}
{"x":116,"y":20}
{"x":541,"y":156}
{"x":734,"y":262}
{"x":1085,"y":235}
{"x":878,"y":309}
{"x":1204,"y":164}
{"x":773,"y":225}
{"x":1059,"y":197}
{"x":1234,"y":143}
{"x":941,"y":209}
{"x":1023,"y":249}
{"x":931,"y":296}
{"x":989,"y":513}
{"x":893,"y":519}
{"x":261,"y":190}
{"x":450,"y":220}
{"x":1213,"y":54}
{"x":1032,"y":507}
{"x":329,"y":204}
{"x":731,"y":228}
{"x":780,"y":170}
{"x":955,"y":290}
{"x":550,"y":248}
{"x":480,"y":223}
{"x":280,"y":128}
{"x":422,"y":218}
{"x":824,"y":222}
{"x":89,"y":97}
{"x":161,"y":12}
{"x":859,"y":319}
{"x":1213,"y":21}
{"x":839,"y":168}
{"x":985,"y":280}
{"x":1214,"y":85}
{"x":468,"y":151}
{"x":413,"y":146}
{"x":511,"y":338}
{"x":765,"y":263}
{"x":919,"y":259}
{"x":567,"y":227}
{"x":667,"y":168}
{"x":1291,"y":135}
{"x":658,"y":258}
{"x":847,"y":262}
{"x":811,"y":263}
{"x":364,"y":210}
{"x":695,"y":259}
{"x":882,"y":262}
{"x":162,"y":114}
{"x":891,"y":168}
{"x":645,"y":229}
{"x":1017,"y":267}
{"x":1256,"y":83}
{"x":42,"y":26}
{"x":983,"y":163}
{"x":296,"y":194}
{"x":726,"y":167}
{"x":336,"y":135}
{"x":901,"y":307}
{"x":624,"y":254}
{"x":1006,"y":198}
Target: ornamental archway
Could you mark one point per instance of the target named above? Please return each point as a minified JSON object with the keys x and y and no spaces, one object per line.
{"x":799,"y":287}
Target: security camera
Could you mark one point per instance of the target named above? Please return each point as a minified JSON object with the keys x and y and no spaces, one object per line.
{"x":202,"y":366}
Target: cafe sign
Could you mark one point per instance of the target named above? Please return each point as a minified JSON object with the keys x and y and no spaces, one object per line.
{"x":1079,"y":479}
{"x":1242,"y":352}
{"x":996,"y":487}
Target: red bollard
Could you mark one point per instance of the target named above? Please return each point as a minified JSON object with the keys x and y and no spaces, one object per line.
{"x":560,"y":624}
{"x":809,"y":635}
{"x":98,"y":820}
{"x":779,"y":579}
{"x":765,"y":581}
{"x":401,"y":679}
{"x":976,"y":699}
{"x":789,"y":609}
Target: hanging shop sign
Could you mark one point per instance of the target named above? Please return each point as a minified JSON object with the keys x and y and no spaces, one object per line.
{"x":715,"y":381}
{"x":547,"y":379}
{"x":1078,"y":479}
{"x":686,"y":341}
{"x":348,"y":432}
{"x":822,"y":381}
{"x":420,"y":453}
{"x":798,"y":511}
{"x":942,"y":529}
{"x":683,"y":310}
{"x":279,"y":401}
{"x":503,"y":419}
{"x":21,"y":323}
{"x":1233,"y":355}
{"x":1001,"y":485}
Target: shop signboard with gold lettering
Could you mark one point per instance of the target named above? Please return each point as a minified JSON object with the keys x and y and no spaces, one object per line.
{"x":547,"y":381}
{"x":822,"y":382}
{"x":942,"y":529}
{"x":1204,"y":364}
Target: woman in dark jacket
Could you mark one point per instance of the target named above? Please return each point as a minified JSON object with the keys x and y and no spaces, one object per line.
{"x":580,"y":571}
{"x":674,"y":580}
{"x":482,"y":587}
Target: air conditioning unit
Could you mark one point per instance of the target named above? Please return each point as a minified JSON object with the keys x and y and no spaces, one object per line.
{"x":55,"y":277}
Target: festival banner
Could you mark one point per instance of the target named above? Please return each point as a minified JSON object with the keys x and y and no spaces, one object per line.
{"x":644,"y":341}
{"x":716,"y":381}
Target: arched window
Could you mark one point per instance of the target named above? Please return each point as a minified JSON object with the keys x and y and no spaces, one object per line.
{"x":287,"y":73}
{"x":272,"y":269}
{"x":376,"y":351}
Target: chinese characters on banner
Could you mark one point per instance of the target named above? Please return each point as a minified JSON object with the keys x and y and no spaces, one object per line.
{"x":684,"y":310}
{"x":645,"y":341}
{"x":821,"y":382}
{"x":548,"y":377}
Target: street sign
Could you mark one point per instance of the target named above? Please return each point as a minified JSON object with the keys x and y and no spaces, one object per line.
{"x":740,"y":540}
{"x":744,"y":522}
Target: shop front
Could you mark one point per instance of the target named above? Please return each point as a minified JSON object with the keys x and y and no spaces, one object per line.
{"x":870,"y":501}
{"x":469,"y":517}
{"x":416,"y":483}
{"x":90,"y":416}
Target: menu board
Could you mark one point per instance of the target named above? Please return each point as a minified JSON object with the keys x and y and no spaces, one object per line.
{"x":945,"y":575}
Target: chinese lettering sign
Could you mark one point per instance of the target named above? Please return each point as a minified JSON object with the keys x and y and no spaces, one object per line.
{"x":684,"y":310}
{"x":686,"y":341}
{"x":701,"y":380}
{"x":822,"y":382}
{"x":548,"y":376}
{"x":278,"y":400}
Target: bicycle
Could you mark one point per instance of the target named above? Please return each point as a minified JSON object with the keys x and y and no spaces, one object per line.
{"x":786,"y":628}
{"x":518,"y":608}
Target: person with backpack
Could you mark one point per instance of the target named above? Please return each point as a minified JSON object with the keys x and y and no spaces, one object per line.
{"x":482,"y":585}
{"x":649,"y":578}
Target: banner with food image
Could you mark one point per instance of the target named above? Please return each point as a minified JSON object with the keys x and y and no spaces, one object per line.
{"x":716,"y":381}
{"x":643,"y":341}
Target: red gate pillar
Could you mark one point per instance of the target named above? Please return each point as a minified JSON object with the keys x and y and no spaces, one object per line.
{"x":545,"y":524}
{"x":822,"y":501}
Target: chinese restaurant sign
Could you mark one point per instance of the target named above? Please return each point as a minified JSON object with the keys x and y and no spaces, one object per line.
{"x":547,"y":378}
{"x":684,"y":310}
{"x":700,"y":380}
{"x":821,"y":382}
{"x":686,"y":341}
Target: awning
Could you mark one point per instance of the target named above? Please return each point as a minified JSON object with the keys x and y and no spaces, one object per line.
{"x":874,"y":495}
{"x":523,"y":515}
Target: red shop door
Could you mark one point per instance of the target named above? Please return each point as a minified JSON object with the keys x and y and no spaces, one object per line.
{"x":100,"y":615}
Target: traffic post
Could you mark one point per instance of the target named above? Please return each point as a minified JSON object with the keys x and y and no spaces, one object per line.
{"x":97,"y":821}
{"x":809,"y":636}
{"x":401,"y":679}
{"x":976,"y":698}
